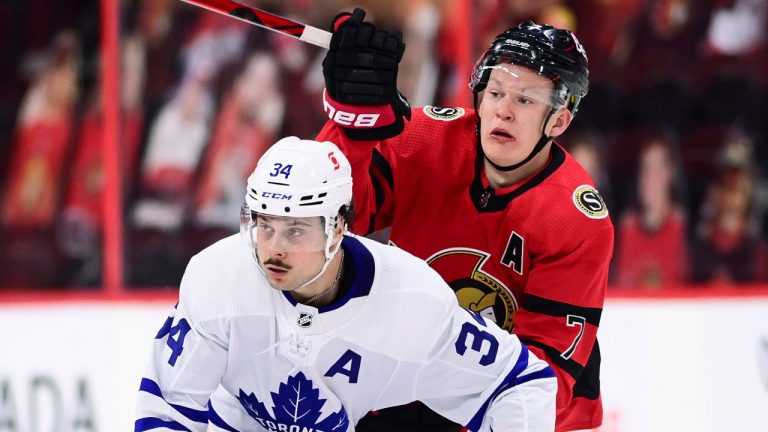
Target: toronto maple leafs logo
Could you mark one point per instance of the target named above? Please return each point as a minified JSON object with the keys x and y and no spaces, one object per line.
{"x":297,"y":403}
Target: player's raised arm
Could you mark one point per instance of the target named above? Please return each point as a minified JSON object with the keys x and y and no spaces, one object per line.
{"x":364,"y":108}
{"x":360,"y":72}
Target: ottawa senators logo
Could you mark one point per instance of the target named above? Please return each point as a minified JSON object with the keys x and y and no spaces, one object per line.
{"x":444,"y":114}
{"x":588,"y":201}
{"x":476,"y":290}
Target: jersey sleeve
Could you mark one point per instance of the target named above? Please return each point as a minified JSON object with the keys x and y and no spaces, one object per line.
{"x":560,"y":312}
{"x":484,"y":378}
{"x":372,"y":174}
{"x":187,"y":363}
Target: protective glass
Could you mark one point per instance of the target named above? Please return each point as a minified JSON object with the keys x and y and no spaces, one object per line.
{"x":503,"y":74}
{"x":282,"y":234}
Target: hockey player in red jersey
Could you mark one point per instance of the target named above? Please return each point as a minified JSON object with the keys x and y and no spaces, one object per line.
{"x":506,"y":216}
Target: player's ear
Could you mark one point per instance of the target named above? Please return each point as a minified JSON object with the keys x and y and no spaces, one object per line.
{"x":560,"y":122}
{"x":338,"y":232}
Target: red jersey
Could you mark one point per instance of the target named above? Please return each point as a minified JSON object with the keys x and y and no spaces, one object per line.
{"x":534,"y":256}
{"x":652,"y":259}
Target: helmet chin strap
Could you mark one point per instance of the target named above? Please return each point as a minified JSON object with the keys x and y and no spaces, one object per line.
{"x":328,"y":258}
{"x":539,"y":145}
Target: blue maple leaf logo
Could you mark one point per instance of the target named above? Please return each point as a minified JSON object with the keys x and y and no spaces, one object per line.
{"x":297,"y":402}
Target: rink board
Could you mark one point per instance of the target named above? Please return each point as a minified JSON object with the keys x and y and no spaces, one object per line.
{"x":668,"y":364}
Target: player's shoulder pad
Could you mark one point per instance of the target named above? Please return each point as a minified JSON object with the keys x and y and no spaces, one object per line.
{"x":443,"y":113}
{"x":589,"y":202}
{"x":218,"y":276}
{"x":408,"y":274}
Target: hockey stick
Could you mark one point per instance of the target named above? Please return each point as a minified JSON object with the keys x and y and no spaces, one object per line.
{"x":261,"y":18}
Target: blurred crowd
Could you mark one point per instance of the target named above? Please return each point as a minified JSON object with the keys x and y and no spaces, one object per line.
{"x":672,"y":130}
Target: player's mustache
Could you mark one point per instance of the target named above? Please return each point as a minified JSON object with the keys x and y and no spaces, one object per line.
{"x":277,"y":263}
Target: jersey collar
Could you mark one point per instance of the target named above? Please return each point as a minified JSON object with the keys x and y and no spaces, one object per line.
{"x":486,"y":200}
{"x":362,"y":279}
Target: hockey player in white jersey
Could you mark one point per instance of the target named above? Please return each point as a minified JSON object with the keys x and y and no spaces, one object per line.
{"x":325,"y":326}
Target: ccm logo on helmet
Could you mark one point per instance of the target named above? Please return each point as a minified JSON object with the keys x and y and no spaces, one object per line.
{"x":589,"y":202}
{"x":277,"y":196}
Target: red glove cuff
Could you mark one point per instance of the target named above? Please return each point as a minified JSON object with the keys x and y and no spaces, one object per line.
{"x":358,"y":116}
{"x":340,"y":19}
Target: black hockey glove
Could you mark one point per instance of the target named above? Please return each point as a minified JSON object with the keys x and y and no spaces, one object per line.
{"x":360,"y":72}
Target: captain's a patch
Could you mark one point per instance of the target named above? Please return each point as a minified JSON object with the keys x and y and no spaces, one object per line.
{"x":443,"y":114}
{"x":588,"y":200}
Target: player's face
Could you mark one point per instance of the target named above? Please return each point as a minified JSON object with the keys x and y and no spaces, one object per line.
{"x":512,"y":111}
{"x":655,"y":177}
{"x":290,"y":250}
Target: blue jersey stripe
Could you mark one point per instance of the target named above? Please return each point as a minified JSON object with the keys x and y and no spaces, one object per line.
{"x":216,"y":419}
{"x":149,"y":423}
{"x":151,"y":387}
{"x":365,"y":268}
{"x":547,"y":372}
{"x":512,"y":379}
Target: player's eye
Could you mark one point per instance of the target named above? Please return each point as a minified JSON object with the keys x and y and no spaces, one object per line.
{"x":265,"y":227}
{"x":295,"y":232}
{"x":522,"y":100}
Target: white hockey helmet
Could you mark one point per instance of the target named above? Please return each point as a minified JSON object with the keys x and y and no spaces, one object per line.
{"x":300,"y":178}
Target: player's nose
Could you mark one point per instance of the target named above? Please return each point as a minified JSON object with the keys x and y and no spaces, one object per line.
{"x":504,"y":110}
{"x":275,"y":246}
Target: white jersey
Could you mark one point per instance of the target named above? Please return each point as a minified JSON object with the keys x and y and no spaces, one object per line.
{"x":242,"y":356}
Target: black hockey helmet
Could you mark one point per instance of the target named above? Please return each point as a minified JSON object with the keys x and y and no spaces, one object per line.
{"x":552,"y":52}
